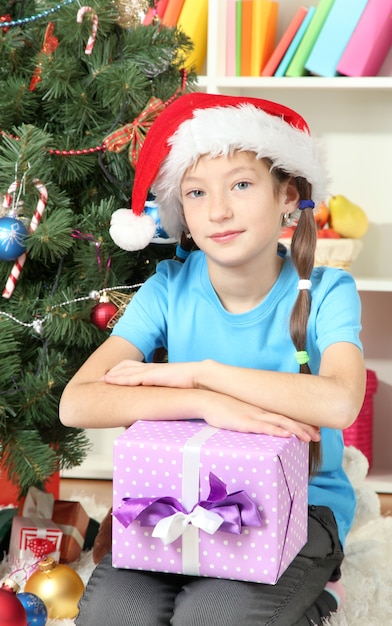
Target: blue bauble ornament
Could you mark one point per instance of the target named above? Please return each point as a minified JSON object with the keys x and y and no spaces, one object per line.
{"x":13,"y":236}
{"x":161,"y":236}
{"x":35,"y":608}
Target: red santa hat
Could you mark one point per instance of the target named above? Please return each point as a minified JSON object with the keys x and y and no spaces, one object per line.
{"x":197,"y":124}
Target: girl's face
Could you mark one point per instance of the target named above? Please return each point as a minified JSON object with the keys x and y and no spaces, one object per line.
{"x":233,"y":210}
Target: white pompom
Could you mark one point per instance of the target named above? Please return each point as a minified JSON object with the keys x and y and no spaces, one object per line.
{"x":131,"y":232}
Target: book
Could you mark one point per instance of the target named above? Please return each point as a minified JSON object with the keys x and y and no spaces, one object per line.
{"x":284,"y":42}
{"x":193,"y":22}
{"x":238,"y":36}
{"x":230,"y":37}
{"x":370,"y":42}
{"x":334,"y":37}
{"x":293,"y":47}
{"x":263,"y":34}
{"x":246,"y":36}
{"x":297,"y":64}
{"x":158,"y":11}
{"x":172,"y":12}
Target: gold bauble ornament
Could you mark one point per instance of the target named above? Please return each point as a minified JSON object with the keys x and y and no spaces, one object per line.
{"x":58,"y":586}
{"x":130,"y":12}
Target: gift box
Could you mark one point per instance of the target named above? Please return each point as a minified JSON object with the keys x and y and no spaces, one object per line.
{"x":193,"y":499}
{"x":33,"y":538}
{"x":73,"y":521}
{"x":34,"y":535}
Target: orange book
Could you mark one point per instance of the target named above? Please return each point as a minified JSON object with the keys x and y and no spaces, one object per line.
{"x":172,"y":12}
{"x":263,"y":34}
{"x":284,"y":42}
{"x":246,"y":37}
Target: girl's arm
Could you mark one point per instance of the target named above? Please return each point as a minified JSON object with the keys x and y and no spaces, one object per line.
{"x":333,"y":398}
{"x":91,"y":401}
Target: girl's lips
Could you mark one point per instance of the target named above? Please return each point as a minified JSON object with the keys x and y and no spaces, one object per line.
{"x":225,"y":237}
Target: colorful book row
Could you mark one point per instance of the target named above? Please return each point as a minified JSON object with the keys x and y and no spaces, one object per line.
{"x":329,"y":38}
{"x":336,"y":37}
{"x":251,"y":27}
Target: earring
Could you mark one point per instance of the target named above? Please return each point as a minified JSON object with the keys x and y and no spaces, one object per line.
{"x":286,"y":219}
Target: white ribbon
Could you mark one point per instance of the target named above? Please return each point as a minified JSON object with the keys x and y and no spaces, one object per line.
{"x":72,"y":531}
{"x":170,"y":528}
{"x":191,"y":495}
{"x":38,"y":504}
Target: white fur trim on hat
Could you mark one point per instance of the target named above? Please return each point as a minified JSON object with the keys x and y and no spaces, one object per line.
{"x":131,"y":232}
{"x":219,"y":131}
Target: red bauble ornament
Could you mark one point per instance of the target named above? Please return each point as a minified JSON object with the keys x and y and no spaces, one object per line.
{"x":12,"y":612}
{"x":103,"y":312}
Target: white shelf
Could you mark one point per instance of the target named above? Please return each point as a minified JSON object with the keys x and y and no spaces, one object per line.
{"x":374,"y":284}
{"x":380,"y":83}
{"x":380,"y":481}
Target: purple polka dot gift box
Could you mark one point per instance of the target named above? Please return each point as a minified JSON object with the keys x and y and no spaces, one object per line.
{"x":193,"y":499}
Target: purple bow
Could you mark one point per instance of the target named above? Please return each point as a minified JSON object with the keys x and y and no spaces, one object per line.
{"x":236,"y":509}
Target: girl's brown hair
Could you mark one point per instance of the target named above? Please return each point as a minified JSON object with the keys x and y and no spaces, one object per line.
{"x":303,"y":246}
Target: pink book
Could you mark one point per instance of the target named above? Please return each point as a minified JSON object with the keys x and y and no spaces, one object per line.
{"x":284,"y":42}
{"x":370,"y":41}
{"x":230,"y":37}
{"x":158,"y":11}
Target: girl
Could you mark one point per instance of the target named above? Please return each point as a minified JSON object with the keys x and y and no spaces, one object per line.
{"x":243,"y":323}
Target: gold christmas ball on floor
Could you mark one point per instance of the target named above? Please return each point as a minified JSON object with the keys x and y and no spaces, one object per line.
{"x":58,"y":586}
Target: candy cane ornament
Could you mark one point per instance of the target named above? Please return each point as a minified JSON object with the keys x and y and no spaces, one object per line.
{"x":20,"y":261}
{"x":94,"y":26}
{"x":7,"y":201}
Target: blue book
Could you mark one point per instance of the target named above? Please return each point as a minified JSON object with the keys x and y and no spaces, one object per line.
{"x":334,"y":37}
{"x":285,"y":62}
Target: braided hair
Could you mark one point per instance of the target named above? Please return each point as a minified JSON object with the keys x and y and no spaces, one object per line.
{"x":303,"y":247}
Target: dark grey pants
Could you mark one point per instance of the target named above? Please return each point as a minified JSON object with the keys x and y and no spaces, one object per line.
{"x":133,"y":598}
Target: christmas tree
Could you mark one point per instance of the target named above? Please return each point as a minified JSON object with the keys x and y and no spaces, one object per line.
{"x":80,"y":87}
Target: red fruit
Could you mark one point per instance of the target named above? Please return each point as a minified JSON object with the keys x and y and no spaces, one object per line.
{"x":321,"y":214}
{"x":328,"y":233}
{"x":287,"y":232}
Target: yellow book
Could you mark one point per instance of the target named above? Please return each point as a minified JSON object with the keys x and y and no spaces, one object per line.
{"x":193,"y":22}
{"x":264,"y":27}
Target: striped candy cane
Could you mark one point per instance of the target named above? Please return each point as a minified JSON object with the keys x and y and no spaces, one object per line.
{"x":94,"y":26}
{"x":20,"y":261}
{"x":7,"y":200}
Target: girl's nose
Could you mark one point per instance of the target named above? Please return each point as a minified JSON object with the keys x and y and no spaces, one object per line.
{"x":219,"y":208}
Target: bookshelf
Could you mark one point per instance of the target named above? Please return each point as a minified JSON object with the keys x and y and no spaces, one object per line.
{"x":353,"y":116}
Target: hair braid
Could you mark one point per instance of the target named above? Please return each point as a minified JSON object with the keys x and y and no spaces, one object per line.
{"x":303,"y":247}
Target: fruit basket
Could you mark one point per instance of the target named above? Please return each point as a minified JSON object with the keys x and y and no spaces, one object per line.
{"x":334,"y":252}
{"x":340,"y":226}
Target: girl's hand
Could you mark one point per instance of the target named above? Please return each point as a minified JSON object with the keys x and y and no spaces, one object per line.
{"x":226,"y":412}
{"x":134,"y":373}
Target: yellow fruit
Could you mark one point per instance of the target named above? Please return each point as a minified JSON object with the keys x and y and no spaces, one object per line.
{"x":347,"y":218}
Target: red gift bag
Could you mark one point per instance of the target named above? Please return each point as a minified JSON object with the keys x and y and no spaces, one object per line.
{"x":360,"y":434}
{"x":9,"y":493}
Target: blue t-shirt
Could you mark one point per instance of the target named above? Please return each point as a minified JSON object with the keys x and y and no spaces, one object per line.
{"x":177,"y":308}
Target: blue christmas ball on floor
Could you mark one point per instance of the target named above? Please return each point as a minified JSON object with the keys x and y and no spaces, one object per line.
{"x":35,"y":608}
{"x":13,"y":236}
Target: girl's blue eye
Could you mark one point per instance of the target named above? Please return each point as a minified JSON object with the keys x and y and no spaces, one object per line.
{"x":195,"y":193}
{"x":242,"y":185}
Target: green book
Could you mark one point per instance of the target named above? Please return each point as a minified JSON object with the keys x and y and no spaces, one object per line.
{"x":238,"y":37}
{"x":297,"y":65}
